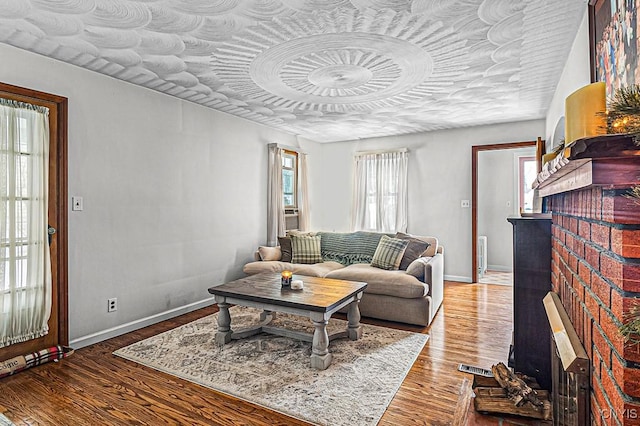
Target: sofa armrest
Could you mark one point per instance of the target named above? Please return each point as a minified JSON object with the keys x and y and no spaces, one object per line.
{"x":434,"y":277}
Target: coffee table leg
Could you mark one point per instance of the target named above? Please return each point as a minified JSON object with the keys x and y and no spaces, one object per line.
{"x":223,"y":336}
{"x":320,"y":355}
{"x":265,"y":314}
{"x":354,"y":329}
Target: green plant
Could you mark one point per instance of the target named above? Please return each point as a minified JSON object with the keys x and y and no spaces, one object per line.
{"x":623,"y":112}
{"x":630,"y":328}
{"x":634,"y":194}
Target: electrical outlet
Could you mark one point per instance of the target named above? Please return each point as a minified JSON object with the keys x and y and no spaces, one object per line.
{"x":465,"y":204}
{"x":112,"y":304}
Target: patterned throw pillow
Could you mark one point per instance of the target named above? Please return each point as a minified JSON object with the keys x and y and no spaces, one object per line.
{"x":305,"y":249}
{"x":389,"y":253}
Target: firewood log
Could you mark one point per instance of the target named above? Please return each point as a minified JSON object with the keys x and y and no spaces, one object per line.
{"x":517,"y":389}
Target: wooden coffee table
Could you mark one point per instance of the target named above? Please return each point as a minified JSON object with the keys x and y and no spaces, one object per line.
{"x":320,"y":298}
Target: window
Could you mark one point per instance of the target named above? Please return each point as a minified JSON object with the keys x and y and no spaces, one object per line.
{"x":380,"y":192}
{"x":25,"y":274}
{"x":528,"y":170}
{"x":290,"y":179}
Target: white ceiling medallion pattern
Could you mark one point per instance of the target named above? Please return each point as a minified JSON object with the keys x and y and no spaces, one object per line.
{"x":327,"y":70}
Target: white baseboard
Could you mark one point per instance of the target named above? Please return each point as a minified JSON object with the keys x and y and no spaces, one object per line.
{"x":457,"y":278}
{"x":499,"y":268}
{"x":99,"y":336}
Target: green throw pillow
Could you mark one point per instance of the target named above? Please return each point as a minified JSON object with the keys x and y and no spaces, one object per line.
{"x":305,"y":249}
{"x":389,"y":253}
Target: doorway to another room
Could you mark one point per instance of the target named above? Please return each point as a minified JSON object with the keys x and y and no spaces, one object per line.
{"x":501,"y":188}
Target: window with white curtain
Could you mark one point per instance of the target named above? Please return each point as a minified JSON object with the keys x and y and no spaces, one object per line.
{"x":380,"y":191}
{"x":287,"y":198}
{"x":25,"y":268}
{"x":290,"y":179}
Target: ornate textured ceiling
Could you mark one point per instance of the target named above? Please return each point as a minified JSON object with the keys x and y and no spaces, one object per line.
{"x":327,"y":70}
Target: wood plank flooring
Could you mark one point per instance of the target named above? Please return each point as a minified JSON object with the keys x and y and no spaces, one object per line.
{"x":94,"y":387}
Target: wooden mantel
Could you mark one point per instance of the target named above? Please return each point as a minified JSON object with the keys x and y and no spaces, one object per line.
{"x":611,"y":161}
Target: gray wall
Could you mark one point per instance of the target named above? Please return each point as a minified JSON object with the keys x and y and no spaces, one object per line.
{"x":575,"y":75}
{"x":439,"y":178}
{"x":498,"y":198}
{"x":174,"y":195}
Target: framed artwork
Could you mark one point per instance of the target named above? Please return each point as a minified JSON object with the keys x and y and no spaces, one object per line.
{"x":614,"y":28}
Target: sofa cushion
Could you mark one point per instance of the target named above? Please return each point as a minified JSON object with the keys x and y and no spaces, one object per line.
{"x":433,"y":241}
{"x":389,"y":253}
{"x":253,"y":268}
{"x":269,"y":253}
{"x":285,"y":248}
{"x":380,"y":281}
{"x":316,"y":270}
{"x":305,"y":249}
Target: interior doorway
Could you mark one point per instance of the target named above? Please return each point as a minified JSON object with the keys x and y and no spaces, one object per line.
{"x":57,"y":217}
{"x":538,"y":146}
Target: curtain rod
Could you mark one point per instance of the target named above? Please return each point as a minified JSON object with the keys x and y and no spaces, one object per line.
{"x":382,"y":151}
{"x":288,"y":148}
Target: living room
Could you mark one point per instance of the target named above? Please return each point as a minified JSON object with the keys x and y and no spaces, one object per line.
{"x":175,"y":193}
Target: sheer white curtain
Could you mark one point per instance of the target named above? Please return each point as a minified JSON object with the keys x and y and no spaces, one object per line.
{"x":303,"y":193}
{"x":25,"y":264}
{"x":380,"y":192}
{"x":275,"y":202}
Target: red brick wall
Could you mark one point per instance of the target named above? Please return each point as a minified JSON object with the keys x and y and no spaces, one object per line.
{"x":596,"y":271}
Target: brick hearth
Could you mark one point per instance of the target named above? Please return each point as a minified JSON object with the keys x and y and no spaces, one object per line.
{"x":596,"y":272}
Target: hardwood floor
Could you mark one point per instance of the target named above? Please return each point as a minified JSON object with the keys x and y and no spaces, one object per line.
{"x":94,"y":387}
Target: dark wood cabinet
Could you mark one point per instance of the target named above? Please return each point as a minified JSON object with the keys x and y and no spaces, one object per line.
{"x":531,"y":352}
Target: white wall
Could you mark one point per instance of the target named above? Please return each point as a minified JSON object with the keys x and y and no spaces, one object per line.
{"x":439,"y":178}
{"x":174,"y":195}
{"x":576,"y":74}
{"x":498,"y":199}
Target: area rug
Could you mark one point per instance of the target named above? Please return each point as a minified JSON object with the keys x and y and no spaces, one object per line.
{"x":4,"y":421}
{"x":274,"y":371}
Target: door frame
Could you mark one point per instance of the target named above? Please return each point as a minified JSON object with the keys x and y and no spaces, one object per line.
{"x":475,"y":149}
{"x":58,"y":133}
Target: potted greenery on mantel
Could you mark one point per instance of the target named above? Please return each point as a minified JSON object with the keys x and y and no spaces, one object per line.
{"x":623,"y":116}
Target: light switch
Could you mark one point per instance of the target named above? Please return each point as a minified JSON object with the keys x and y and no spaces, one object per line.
{"x":77,"y":204}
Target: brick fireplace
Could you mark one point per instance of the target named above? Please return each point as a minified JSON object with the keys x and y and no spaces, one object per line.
{"x":596,"y":266}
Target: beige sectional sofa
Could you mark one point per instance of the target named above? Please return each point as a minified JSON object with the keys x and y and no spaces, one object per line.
{"x":410,"y":296}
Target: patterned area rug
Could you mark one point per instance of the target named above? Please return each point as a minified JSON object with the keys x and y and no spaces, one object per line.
{"x":4,"y":421}
{"x":274,"y":371}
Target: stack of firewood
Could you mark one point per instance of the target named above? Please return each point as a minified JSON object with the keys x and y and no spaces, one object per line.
{"x":511,"y":393}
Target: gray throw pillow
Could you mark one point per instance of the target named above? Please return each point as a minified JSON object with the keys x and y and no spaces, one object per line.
{"x":389,"y":253}
{"x":285,"y":248}
{"x":415,"y":248}
{"x":416,"y":268}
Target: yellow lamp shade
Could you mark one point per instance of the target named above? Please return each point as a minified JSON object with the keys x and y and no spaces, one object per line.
{"x":585,"y":112}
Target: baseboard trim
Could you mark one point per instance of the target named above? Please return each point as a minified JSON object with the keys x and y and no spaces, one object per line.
{"x":99,"y":336}
{"x":499,"y":268}
{"x":457,"y":278}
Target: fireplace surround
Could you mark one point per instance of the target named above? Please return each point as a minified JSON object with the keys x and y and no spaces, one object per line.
{"x":595,"y":265}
